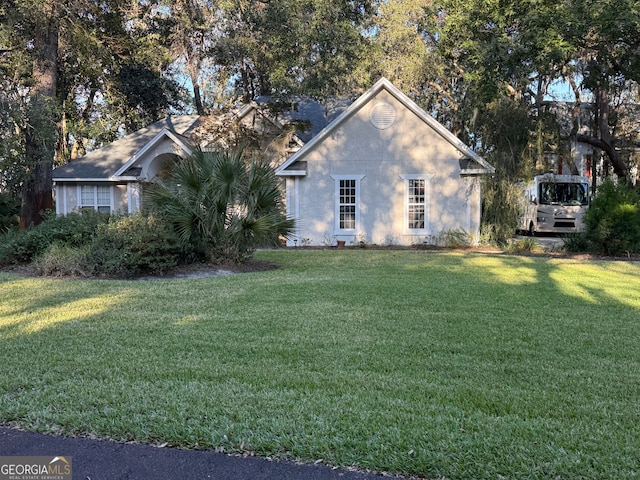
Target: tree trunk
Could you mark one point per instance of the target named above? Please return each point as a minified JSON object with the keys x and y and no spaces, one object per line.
{"x":40,"y":133}
{"x":198,"y":99}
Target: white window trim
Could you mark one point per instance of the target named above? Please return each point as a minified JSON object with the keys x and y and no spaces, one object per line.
{"x":95,"y":198}
{"x":427,"y":200}
{"x":336,"y":208}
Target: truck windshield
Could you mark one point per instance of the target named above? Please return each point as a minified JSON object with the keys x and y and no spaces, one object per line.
{"x":556,"y":193}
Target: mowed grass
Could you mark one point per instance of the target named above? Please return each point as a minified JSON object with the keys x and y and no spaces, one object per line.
{"x":454,"y":365}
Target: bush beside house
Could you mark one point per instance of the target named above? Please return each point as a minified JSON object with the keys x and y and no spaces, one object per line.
{"x":95,"y":244}
{"x":612,"y":222}
{"x":215,"y":206}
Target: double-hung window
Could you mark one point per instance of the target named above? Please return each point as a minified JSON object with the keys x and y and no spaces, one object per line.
{"x":416,"y":216}
{"x":95,"y":198}
{"x":347,"y":203}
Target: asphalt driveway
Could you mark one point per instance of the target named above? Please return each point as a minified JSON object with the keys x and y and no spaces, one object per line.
{"x":105,"y":460}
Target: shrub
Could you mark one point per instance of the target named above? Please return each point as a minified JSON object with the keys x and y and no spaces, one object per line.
{"x":63,"y":260}
{"x":522,"y":246}
{"x":454,"y":239}
{"x":577,"y":242}
{"x":73,"y":230}
{"x":501,"y":203}
{"x":613,"y":220}
{"x":127,"y":246}
{"x":9,"y":211}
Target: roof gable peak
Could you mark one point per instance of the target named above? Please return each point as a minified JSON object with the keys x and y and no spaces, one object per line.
{"x":384,"y":84}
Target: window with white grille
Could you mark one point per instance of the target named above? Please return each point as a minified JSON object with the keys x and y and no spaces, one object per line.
{"x":347,"y":203}
{"x":416,"y":206}
{"x":417,"y":188}
{"x":95,"y":198}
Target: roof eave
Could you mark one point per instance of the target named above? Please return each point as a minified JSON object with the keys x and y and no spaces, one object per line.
{"x":82,"y":179}
{"x":476,"y":171}
{"x":291,"y":173}
{"x":164,"y":132}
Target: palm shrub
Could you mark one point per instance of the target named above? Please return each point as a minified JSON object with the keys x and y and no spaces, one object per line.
{"x":222,"y":204}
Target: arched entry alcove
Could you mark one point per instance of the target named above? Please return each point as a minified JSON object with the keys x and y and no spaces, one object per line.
{"x":160,"y":165}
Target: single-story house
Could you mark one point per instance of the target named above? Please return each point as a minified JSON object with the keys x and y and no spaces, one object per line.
{"x":109,"y":179}
{"x":377,"y":170}
{"x":384,"y":171}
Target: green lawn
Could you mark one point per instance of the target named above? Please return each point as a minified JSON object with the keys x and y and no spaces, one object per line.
{"x":460,"y":365}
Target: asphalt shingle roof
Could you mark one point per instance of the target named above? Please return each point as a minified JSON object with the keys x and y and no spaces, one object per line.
{"x":106,"y":161}
{"x":311,"y":114}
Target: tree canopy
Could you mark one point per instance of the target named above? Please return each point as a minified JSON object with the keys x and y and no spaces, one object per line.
{"x":76,"y":74}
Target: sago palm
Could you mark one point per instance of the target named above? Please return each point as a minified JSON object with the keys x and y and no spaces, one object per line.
{"x":222,"y":203}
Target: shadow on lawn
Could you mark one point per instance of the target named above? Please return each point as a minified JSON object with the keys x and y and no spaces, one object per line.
{"x":428,"y":363}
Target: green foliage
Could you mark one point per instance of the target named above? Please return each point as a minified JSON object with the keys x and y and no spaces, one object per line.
{"x":501,"y":203}
{"x":127,"y":246}
{"x":9,"y":211}
{"x":147,"y":92}
{"x":63,"y":260}
{"x":577,"y":242}
{"x":454,"y":239}
{"x":295,"y":46}
{"x":95,"y":244}
{"x":73,"y":230}
{"x":613,"y":219}
{"x":222,"y":204}
{"x":523,"y":245}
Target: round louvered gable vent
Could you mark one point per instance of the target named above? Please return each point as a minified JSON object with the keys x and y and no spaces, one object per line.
{"x":382,"y":116}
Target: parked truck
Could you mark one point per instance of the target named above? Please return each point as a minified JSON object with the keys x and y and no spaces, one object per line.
{"x":555,"y":204}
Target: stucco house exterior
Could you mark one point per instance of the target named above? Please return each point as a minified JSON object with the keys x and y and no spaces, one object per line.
{"x":386,"y":172}
{"x":379,"y":170}
{"x":109,"y":179}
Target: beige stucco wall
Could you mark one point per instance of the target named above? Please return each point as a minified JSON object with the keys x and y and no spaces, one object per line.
{"x":409,"y":146}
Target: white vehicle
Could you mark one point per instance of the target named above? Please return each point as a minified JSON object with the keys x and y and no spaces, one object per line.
{"x":555,"y":204}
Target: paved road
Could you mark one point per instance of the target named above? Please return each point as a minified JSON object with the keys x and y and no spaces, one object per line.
{"x":104,"y":460}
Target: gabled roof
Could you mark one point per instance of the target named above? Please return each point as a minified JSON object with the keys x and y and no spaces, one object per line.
{"x":179,"y":140}
{"x":473,"y":163}
{"x":115,"y":159}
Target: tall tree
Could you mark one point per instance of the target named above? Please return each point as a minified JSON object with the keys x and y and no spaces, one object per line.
{"x":68,"y":64}
{"x":400,"y":53}
{"x":42,"y":21}
{"x":487,"y":49}
{"x":294,"y":46}
{"x":607,"y":63}
{"x":195,"y":30}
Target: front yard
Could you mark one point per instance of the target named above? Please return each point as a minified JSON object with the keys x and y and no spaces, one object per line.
{"x":455,"y":365}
